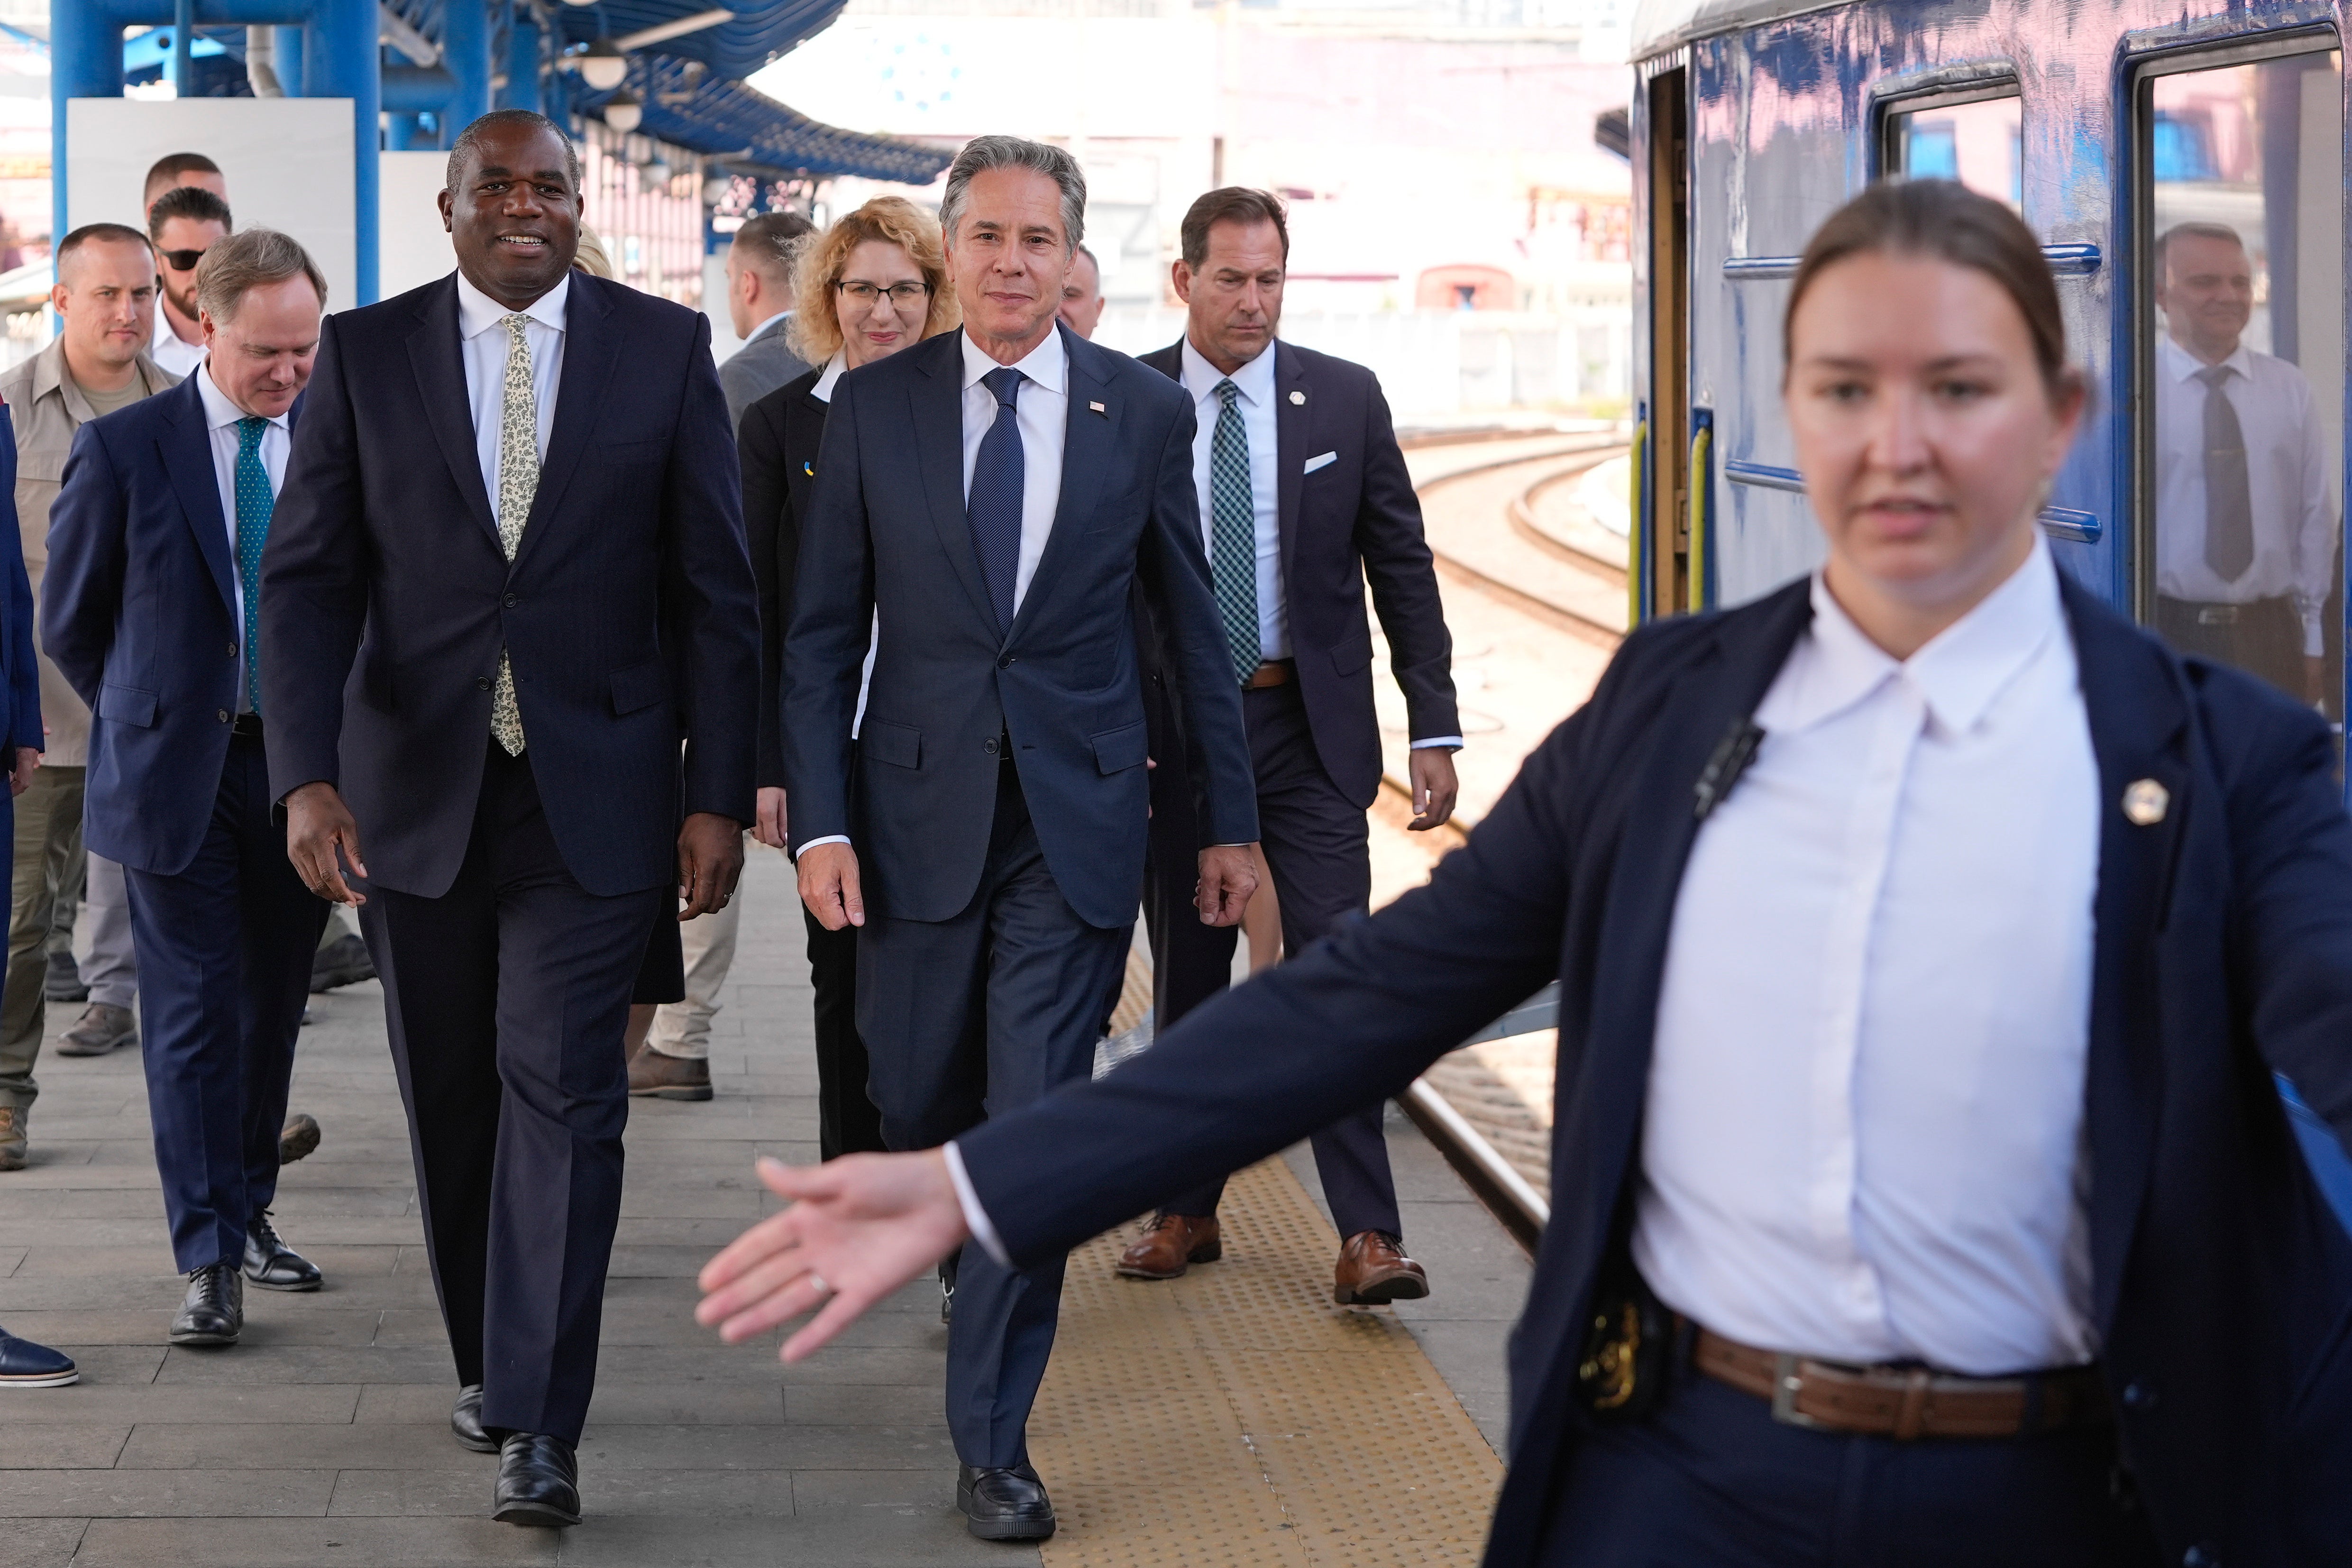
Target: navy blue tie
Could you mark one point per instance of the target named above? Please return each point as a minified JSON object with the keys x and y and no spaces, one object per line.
{"x":993,"y":507}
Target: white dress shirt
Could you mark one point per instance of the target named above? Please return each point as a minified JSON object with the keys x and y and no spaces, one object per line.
{"x":1042,"y":406}
{"x":166,"y":348}
{"x":221,"y":417}
{"x":484,"y":345}
{"x":1865,"y":1119}
{"x":1254,"y":381}
{"x":2287,"y":481}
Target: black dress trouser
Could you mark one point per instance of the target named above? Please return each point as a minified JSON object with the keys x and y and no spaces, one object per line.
{"x":846,"y":1121}
{"x":507,"y":998}
{"x":1317,"y":847}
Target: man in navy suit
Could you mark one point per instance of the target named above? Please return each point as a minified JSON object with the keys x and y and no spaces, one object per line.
{"x":514,"y":505}
{"x":996,"y":494}
{"x":148,"y":608}
{"x":1304,"y":497}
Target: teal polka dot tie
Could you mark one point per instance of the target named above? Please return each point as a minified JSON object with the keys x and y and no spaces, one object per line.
{"x":254,"y":502}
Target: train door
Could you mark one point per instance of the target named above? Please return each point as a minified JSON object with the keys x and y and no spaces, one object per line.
{"x":1666,"y":581}
{"x":2239,"y":425}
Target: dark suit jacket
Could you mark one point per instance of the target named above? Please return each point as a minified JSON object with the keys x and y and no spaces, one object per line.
{"x":887,"y":527}
{"x":2222,"y":1282}
{"x":20,"y":679}
{"x":778,"y":443}
{"x":139,"y":614}
{"x":632,"y":586}
{"x":1354,"y":519}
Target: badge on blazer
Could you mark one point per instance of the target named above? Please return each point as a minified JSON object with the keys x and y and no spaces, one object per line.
{"x":1297,"y":399}
{"x":2146,"y":802}
{"x":809,"y":469}
{"x":1099,"y":409}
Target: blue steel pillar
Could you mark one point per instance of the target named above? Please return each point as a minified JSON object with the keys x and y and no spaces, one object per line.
{"x":286,"y":55}
{"x":343,"y":62}
{"x":184,"y":48}
{"x":85,"y":61}
{"x":465,"y":54}
{"x":521,"y":91}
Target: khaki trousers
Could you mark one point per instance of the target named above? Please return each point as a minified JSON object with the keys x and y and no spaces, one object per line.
{"x":48,"y":841}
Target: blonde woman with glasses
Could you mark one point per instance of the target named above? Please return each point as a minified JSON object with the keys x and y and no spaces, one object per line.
{"x":872,"y":283}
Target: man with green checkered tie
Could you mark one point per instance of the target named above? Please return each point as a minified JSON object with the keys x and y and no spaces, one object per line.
{"x":1304,"y":499}
{"x":150,"y":609}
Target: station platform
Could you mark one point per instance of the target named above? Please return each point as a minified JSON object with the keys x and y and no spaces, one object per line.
{"x":1234,"y":1416}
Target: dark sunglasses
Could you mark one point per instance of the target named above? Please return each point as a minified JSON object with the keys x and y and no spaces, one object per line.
{"x":182,"y":261}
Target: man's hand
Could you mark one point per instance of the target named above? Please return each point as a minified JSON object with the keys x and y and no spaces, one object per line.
{"x":859,"y":1227}
{"x":318,"y":824}
{"x":20,"y":777}
{"x":1431,"y":769}
{"x":829,"y":886}
{"x":772,"y":827}
{"x":709,"y":858}
{"x":1228,"y":877}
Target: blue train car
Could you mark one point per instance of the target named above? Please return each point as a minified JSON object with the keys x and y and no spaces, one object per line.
{"x":2182,"y":164}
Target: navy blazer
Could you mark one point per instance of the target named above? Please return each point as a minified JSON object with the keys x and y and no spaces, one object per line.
{"x":886,"y":528}
{"x":139,"y":614}
{"x":1352,"y":521}
{"x":2221,"y":1281}
{"x":631,"y":590}
{"x":20,"y":675}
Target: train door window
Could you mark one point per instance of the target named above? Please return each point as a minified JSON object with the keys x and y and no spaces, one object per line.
{"x":1977,"y":141}
{"x":2242,"y":432}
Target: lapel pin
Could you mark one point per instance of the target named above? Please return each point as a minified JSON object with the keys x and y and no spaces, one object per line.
{"x":1297,"y":399}
{"x":809,"y":469}
{"x":2145,"y":802}
{"x":1098,"y":407}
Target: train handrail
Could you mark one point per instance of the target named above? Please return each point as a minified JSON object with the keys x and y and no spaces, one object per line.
{"x":1702,"y":448}
{"x":1634,"y":551}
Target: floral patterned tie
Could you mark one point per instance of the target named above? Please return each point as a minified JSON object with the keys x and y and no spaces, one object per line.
{"x":518,"y":483}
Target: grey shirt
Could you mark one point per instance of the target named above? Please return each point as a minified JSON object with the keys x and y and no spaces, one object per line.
{"x":758,"y":367}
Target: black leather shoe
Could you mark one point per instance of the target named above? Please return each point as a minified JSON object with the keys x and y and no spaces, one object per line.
{"x":946,"y":1286}
{"x":539,"y":1482}
{"x":465,"y":1420}
{"x":24,"y":1365}
{"x":271,"y":1263}
{"x":213,"y":1313}
{"x":1004,"y":1504}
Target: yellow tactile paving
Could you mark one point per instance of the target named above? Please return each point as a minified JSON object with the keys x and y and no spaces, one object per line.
{"x":1238,"y":1416}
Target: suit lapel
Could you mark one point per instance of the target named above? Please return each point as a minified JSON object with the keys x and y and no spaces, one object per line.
{"x":1088,"y":439}
{"x":1291,"y":408}
{"x":2139,"y":720}
{"x":436,"y":358}
{"x":186,"y":448}
{"x":591,"y":347}
{"x":938,"y":420}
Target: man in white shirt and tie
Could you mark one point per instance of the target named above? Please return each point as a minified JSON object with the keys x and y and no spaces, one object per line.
{"x":1304,"y":498}
{"x":2246,"y":516}
{"x":534,"y":524}
{"x":998,"y":495}
{"x":150,"y":609}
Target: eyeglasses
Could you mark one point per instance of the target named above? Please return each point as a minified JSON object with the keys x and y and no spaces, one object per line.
{"x":181,"y":260}
{"x":901,"y":294}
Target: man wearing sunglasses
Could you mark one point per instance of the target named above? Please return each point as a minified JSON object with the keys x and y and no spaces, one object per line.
{"x":183,"y":224}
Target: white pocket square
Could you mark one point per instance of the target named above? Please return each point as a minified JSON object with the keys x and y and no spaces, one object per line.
{"x":1325,"y":461}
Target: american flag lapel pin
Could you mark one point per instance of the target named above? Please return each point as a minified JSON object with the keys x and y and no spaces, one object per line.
{"x":1099,"y":409}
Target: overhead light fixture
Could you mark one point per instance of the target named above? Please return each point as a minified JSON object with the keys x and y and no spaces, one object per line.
{"x":604,"y":67}
{"x":580,"y":2}
{"x":622,"y":111}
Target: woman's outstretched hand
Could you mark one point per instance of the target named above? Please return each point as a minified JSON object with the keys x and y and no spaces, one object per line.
{"x":858,"y":1228}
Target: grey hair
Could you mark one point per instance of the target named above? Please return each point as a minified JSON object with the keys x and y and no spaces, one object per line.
{"x":254,"y":260}
{"x":985,"y":153}
{"x":469,"y":141}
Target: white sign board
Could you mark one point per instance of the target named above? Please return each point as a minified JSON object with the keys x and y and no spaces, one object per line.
{"x":413,"y":248}
{"x":287,"y":161}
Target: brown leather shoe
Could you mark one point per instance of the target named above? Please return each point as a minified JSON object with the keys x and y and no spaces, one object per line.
{"x":1170,"y":1245}
{"x":668,"y":1077}
{"x":1373,"y":1271}
{"x":12,"y":1139}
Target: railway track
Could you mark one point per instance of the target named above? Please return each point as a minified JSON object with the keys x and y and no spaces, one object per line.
{"x":1562,"y":576}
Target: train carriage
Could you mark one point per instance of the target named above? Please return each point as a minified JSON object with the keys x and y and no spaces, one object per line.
{"x":2183,"y":166}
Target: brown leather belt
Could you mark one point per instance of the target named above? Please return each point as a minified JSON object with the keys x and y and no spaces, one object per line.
{"x":1273,"y":672}
{"x":1904,"y":1402}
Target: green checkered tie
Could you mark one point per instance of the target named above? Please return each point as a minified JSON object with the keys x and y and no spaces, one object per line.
{"x":518,"y":483}
{"x":1233,"y":533}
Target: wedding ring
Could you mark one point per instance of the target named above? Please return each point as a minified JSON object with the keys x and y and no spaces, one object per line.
{"x":817,"y":1281}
